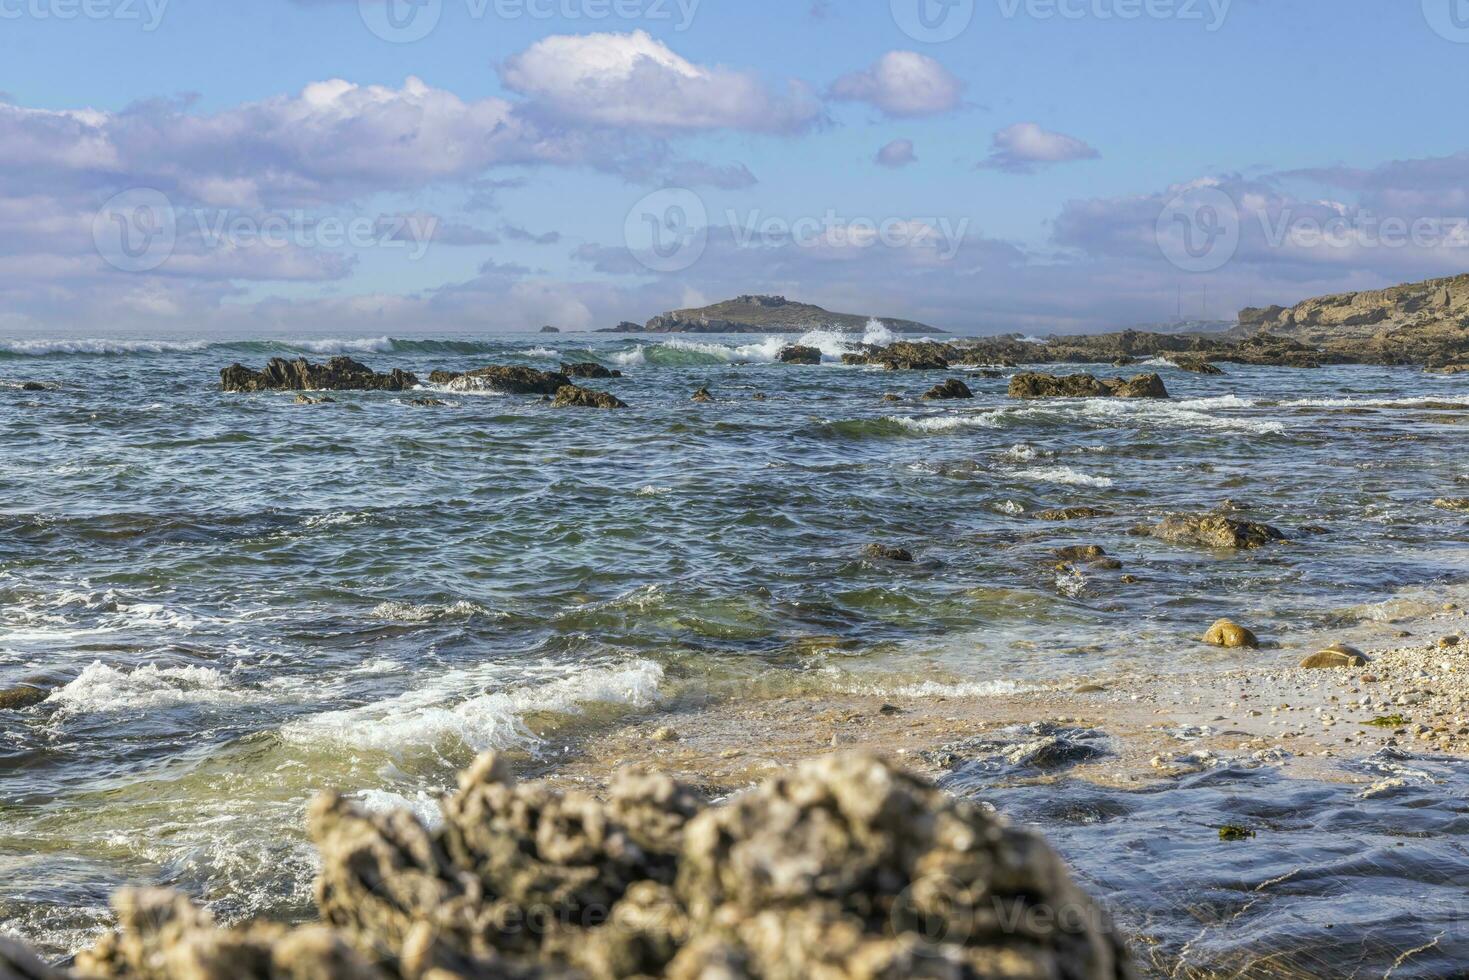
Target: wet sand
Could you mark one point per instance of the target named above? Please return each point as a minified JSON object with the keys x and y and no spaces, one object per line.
{"x":1304,"y":721}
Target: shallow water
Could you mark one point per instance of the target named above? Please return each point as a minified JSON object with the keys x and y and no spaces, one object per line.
{"x":1340,"y":879}
{"x":240,"y":601}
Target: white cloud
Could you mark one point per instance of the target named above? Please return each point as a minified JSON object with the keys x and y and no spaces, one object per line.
{"x":902,"y":83}
{"x":1024,"y":147}
{"x":634,"y":80}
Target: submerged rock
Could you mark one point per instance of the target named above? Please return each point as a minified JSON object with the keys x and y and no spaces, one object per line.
{"x":1335,"y":657}
{"x":1452,"y":503}
{"x":1194,"y":363}
{"x":1073,"y":514}
{"x":588,"y":369}
{"x":574,"y":396}
{"x":16,"y":698}
{"x":797,"y":354}
{"x":1034,"y":385}
{"x":846,"y":867}
{"x":702,"y":395}
{"x":882,"y":552}
{"x":1231,"y":635}
{"x":33,"y":386}
{"x":308,"y":400}
{"x":338,"y":374}
{"x":512,"y":380}
{"x":1214,"y":531}
{"x":950,"y":390}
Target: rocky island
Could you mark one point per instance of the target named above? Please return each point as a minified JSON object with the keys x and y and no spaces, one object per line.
{"x":765,"y":314}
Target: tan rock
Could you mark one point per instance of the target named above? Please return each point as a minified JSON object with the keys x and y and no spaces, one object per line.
{"x":1335,"y":657}
{"x":1227,"y":633}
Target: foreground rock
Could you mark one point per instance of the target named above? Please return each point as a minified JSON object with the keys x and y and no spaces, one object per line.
{"x":574,"y":396}
{"x":1214,"y":531}
{"x":512,"y":380}
{"x":925,"y":355}
{"x":338,"y":374}
{"x":1064,"y":514}
{"x":1033,"y":385}
{"x":845,"y":867}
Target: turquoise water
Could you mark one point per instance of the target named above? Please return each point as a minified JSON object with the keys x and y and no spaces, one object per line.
{"x":237,"y":601}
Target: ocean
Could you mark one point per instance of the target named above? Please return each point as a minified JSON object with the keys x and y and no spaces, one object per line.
{"x":236,"y":601}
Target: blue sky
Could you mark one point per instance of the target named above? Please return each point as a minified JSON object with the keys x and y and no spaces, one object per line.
{"x":1055,"y":165}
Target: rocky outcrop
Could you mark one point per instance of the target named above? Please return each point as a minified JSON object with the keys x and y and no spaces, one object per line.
{"x":796,"y":354}
{"x":512,"y":380}
{"x":882,"y":552}
{"x":588,"y":369}
{"x":574,"y":396}
{"x":846,"y":867}
{"x":1416,"y":323}
{"x":1064,"y":514}
{"x":950,"y":390}
{"x":924,"y":355}
{"x":338,"y":374}
{"x":550,"y":329}
{"x":1194,"y":363}
{"x":1033,"y":385}
{"x":1214,"y":531}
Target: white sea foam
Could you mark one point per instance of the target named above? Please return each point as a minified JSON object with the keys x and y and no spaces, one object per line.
{"x":1199,"y":413}
{"x":408,"y":612}
{"x":42,"y":348}
{"x":100,"y":689}
{"x":654,"y":491}
{"x":351,"y":345}
{"x":973,"y":689}
{"x":439,"y":712}
{"x":423,"y":806}
{"x":1065,"y":475}
{"x":336,"y":519}
{"x":1020,"y":453}
{"x":540,"y":352}
{"x":947,"y":423}
{"x":1363,"y":402}
{"x":629,"y":358}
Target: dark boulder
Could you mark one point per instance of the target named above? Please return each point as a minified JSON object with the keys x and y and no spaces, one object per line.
{"x":588,"y":369}
{"x":512,"y":380}
{"x":949,"y":390}
{"x":1034,"y":385}
{"x":338,"y":374}
{"x":882,"y":552}
{"x":1194,"y":364}
{"x":33,"y":386}
{"x":549,"y":330}
{"x":702,"y":395}
{"x":796,"y":354}
{"x":574,"y":396}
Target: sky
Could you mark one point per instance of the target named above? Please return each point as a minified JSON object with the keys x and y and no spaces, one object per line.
{"x":240,"y":168}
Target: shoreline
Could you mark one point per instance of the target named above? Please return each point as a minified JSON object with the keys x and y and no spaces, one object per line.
{"x":1317,"y":718}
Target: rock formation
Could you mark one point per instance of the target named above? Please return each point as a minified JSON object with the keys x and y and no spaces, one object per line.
{"x":338,"y":374}
{"x":575,"y":396}
{"x":1032,"y":385}
{"x":513,"y":380}
{"x":588,"y":369}
{"x":949,"y":390}
{"x":764,"y":314}
{"x":796,"y":354}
